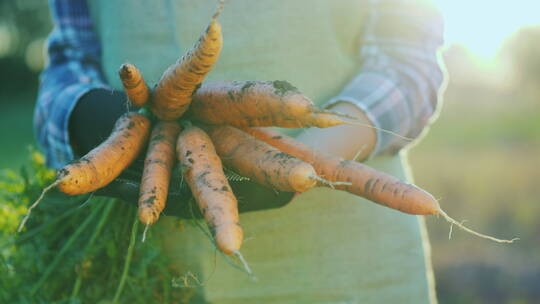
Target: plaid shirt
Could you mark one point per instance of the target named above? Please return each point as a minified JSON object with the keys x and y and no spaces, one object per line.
{"x":397,"y":85}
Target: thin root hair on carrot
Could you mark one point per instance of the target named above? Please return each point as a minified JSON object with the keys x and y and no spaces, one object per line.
{"x":128,"y":105}
{"x":41,"y":196}
{"x":221,"y":6}
{"x":451,"y":228}
{"x":338,"y":114}
{"x":248,"y":239}
{"x":463,"y":227}
{"x":185,"y":281}
{"x":329,"y":183}
{"x":144,"y":233}
{"x":355,"y":123}
{"x":235,"y":177}
{"x":357,"y":155}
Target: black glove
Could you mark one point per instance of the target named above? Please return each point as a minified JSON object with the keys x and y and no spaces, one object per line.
{"x":92,"y":121}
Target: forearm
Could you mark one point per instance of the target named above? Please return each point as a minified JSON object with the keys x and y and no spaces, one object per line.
{"x":73,"y":70}
{"x":347,"y":141}
{"x":398,"y":81}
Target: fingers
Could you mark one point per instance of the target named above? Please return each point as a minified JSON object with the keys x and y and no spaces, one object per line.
{"x":254,"y":197}
{"x":251,"y":196}
{"x":123,"y":189}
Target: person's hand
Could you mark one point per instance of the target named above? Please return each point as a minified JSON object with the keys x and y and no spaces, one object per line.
{"x":91,"y":123}
{"x":354,"y":142}
{"x":251,"y":196}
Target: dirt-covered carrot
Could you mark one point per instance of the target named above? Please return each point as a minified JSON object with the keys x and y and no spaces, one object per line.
{"x":260,"y":161}
{"x":134,"y":84}
{"x":259,"y":103}
{"x":104,"y":163}
{"x":372,"y":184}
{"x":367,"y":182}
{"x":174,"y":91}
{"x":158,"y":165}
{"x":204,"y":175}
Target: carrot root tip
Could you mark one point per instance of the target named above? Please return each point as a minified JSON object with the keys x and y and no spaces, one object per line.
{"x":338,"y":114}
{"x":27,"y":216}
{"x":144,"y":233}
{"x":245,"y":264}
{"x":221,"y":6}
{"x":463,"y":227}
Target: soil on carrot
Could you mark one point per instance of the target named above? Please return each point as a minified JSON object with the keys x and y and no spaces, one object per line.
{"x":283,"y":87}
{"x":247,"y":85}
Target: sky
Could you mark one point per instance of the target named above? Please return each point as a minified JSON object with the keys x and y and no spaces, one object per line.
{"x":483,"y":25}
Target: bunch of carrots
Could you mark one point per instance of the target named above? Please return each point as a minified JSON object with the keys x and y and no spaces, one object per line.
{"x":205,"y":125}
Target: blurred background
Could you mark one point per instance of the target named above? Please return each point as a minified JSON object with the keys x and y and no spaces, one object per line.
{"x":481,"y":158}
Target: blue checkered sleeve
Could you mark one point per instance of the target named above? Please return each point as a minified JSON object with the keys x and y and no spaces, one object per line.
{"x":73,"y":69}
{"x":401,"y":73}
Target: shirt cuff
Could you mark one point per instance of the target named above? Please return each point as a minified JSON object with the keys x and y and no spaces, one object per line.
{"x":53,"y":133}
{"x":373,"y":121}
{"x":383,"y":104}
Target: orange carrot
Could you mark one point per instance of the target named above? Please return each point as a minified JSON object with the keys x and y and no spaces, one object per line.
{"x":205,"y":177}
{"x":104,"y":163}
{"x":261,"y":162}
{"x":364,"y":181}
{"x":173,"y":93}
{"x":157,"y":171}
{"x":259,"y":103}
{"x":372,"y":184}
{"x":134,"y":85}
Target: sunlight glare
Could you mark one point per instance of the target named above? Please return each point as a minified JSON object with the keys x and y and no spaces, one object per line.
{"x":483,"y":25}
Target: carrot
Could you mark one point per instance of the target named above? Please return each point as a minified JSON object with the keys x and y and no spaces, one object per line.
{"x":365,"y":181}
{"x":369,"y":183}
{"x":261,"y":162}
{"x":134,"y":85}
{"x":174,"y":90}
{"x":210,"y":188}
{"x":258,"y":103}
{"x":157,"y":171}
{"x":105,"y":162}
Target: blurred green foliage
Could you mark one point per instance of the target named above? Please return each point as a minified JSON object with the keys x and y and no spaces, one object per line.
{"x":24,"y":25}
{"x":13,"y":200}
{"x":72,"y":251}
{"x":481,"y":158}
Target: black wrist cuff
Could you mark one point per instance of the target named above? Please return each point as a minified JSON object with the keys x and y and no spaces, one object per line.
{"x":93,"y":118}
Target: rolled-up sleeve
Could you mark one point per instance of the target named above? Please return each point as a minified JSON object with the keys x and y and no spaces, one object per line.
{"x":401,"y":73}
{"x":72,"y":70}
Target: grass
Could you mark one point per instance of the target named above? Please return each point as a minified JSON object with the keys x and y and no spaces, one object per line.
{"x":16,"y":126}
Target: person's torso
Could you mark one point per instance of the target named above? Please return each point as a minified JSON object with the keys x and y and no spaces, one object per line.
{"x":326,"y":246}
{"x":312,"y":44}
